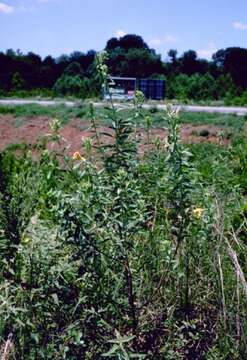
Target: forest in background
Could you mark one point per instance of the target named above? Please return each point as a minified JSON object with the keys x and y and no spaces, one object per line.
{"x":187,"y":76}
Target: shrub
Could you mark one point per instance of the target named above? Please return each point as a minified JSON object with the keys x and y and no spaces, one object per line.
{"x":237,"y":100}
{"x":197,"y":87}
{"x":70,"y":85}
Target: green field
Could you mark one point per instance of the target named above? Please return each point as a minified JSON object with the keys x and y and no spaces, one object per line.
{"x":113,"y":255}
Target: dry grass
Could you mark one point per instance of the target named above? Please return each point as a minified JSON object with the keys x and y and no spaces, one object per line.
{"x":7,"y":349}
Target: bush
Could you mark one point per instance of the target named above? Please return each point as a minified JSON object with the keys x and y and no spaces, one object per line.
{"x":203,"y":87}
{"x":237,"y":100}
{"x":33,"y":93}
{"x":226,"y":87}
{"x":71,"y":85}
{"x":197,"y":87}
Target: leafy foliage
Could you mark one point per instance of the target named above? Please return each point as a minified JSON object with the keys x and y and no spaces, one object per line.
{"x":187,"y":76}
{"x":124,"y":257}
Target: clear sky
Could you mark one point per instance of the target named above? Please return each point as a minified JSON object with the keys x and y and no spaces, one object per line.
{"x":62,"y":26}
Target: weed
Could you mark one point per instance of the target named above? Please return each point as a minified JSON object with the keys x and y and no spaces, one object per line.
{"x":124,"y":257}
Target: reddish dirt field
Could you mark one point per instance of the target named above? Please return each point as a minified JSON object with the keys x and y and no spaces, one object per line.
{"x":30,"y":130}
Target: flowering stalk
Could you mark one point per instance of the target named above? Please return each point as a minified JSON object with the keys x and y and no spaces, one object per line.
{"x":180,"y":195}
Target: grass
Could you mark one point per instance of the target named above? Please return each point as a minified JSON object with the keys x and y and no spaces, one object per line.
{"x":225,"y":120}
{"x":65,"y":114}
{"x":138,"y":256}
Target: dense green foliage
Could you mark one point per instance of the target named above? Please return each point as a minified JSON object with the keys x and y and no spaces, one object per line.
{"x":203,"y":87}
{"x":119,"y":256}
{"x":187,"y":76}
{"x":140,"y":258}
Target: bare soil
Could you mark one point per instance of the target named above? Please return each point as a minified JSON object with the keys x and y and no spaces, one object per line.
{"x":30,"y":130}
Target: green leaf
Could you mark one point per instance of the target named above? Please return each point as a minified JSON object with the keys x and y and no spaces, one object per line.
{"x":55,"y":299}
{"x":111,"y":351}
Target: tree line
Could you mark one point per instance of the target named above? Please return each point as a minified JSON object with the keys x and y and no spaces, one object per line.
{"x":187,"y":76}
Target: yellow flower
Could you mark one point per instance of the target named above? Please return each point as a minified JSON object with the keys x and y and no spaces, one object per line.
{"x":197,"y":213}
{"x":26,"y":240}
{"x":77,"y":156}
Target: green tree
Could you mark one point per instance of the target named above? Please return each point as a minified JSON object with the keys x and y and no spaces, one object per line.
{"x":70,"y":85}
{"x":17,"y":81}
{"x":202,"y":87}
{"x":73,"y":69}
{"x":71,"y":82}
{"x":172,"y":53}
{"x":225,"y":85}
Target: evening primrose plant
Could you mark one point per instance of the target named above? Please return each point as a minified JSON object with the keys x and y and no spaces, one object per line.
{"x":109,"y":254}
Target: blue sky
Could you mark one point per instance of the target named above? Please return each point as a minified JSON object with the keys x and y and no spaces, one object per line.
{"x":62,"y":26}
